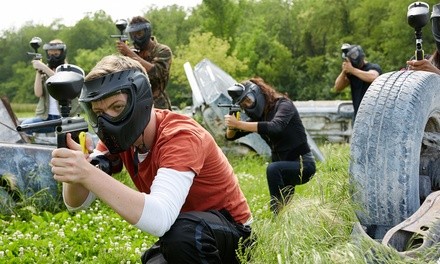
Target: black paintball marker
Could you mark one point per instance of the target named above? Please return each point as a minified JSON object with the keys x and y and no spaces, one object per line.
{"x":418,"y":17}
{"x":345,"y":48}
{"x":35,"y":43}
{"x":64,"y":86}
{"x":234,"y":108}
{"x":121,"y":25}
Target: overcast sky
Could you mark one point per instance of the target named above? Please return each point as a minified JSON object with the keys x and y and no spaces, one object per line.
{"x":16,"y":13}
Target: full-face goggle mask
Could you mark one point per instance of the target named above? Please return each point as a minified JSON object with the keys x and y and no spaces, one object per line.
{"x":250,"y":98}
{"x":354,"y":53}
{"x":119,"y":131}
{"x":55,"y":60}
{"x":435,"y":20}
{"x":141,"y":39}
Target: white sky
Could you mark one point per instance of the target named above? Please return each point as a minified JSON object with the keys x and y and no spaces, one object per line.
{"x":16,"y":13}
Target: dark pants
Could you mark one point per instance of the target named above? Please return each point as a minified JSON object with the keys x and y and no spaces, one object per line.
{"x":283,"y":176}
{"x":200,"y":237}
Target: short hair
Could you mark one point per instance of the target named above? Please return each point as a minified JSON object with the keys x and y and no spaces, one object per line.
{"x":56,"y":41}
{"x":139,"y":19}
{"x":113,"y":63}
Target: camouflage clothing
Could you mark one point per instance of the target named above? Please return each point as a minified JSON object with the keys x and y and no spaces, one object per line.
{"x":161,"y":56}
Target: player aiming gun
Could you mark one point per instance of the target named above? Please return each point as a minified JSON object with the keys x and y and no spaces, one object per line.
{"x":418,"y":17}
{"x":64,"y":86}
{"x":121,"y":25}
{"x":35,"y":43}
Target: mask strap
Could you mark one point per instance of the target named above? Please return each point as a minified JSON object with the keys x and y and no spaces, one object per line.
{"x":136,"y":161}
{"x":139,"y":149}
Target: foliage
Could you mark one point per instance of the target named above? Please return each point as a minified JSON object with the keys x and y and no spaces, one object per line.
{"x":171,"y":25}
{"x":295,"y":46}
{"x":90,"y":33}
{"x":88,"y":58}
{"x":207,"y":46}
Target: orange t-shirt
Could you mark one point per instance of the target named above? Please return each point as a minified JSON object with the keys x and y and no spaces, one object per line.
{"x":184,"y":145}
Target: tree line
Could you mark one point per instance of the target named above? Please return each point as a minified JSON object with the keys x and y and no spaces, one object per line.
{"x":293,"y":44}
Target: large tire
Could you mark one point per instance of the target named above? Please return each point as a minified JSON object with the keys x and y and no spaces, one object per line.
{"x":387,"y":149}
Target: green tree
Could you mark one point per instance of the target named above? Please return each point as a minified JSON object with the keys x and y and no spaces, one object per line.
{"x":91,"y":32}
{"x":87,"y":58}
{"x":295,"y":45}
{"x":220,"y":17}
{"x":171,"y":25}
{"x":20,"y":87}
{"x":201,"y":46}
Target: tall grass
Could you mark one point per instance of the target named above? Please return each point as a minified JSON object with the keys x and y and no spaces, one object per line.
{"x":315,"y":227}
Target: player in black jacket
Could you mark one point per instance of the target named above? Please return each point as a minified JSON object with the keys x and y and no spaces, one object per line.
{"x":276,"y":119}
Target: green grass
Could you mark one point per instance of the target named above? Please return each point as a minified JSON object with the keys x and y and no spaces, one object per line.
{"x":315,"y":227}
{"x":23,"y":110}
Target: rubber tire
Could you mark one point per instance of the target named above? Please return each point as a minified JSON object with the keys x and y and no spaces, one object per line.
{"x":386,"y":145}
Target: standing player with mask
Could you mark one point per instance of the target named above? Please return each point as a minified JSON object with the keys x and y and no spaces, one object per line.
{"x":356,"y":72}
{"x":47,"y":107}
{"x":155,"y":57}
{"x":275,"y":118}
{"x":187,"y":193}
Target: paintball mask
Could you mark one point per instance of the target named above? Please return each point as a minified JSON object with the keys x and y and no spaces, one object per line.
{"x":354,"y":53}
{"x":251,"y":99}
{"x":119,"y":131}
{"x":55,"y":60}
{"x":140,"y":34}
{"x":435,"y":19}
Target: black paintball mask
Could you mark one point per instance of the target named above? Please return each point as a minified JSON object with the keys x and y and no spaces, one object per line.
{"x":435,"y":20}
{"x":142,"y":38}
{"x":251,"y":99}
{"x":52,"y":60}
{"x":354,"y":53}
{"x":119,"y":132}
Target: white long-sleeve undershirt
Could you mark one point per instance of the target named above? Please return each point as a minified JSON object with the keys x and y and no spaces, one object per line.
{"x":162,"y":206}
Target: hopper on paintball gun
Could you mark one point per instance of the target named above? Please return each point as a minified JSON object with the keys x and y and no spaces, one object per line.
{"x":418,"y":17}
{"x":234,"y":108}
{"x":121,"y":25}
{"x":35,"y":43}
{"x":64,"y":86}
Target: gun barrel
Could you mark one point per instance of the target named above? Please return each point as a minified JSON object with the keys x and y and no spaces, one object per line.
{"x":73,"y":124}
{"x":37,"y":56}
{"x":119,"y":36}
{"x":49,"y":123}
{"x":225,"y":105}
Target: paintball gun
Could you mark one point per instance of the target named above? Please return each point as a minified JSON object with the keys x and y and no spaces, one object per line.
{"x":345,"y":48}
{"x":64,"y":86}
{"x":234,"y":108}
{"x":121,"y":25}
{"x":35,"y":43}
{"x":418,"y":17}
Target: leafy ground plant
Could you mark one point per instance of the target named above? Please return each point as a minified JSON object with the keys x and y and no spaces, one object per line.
{"x":315,"y":227}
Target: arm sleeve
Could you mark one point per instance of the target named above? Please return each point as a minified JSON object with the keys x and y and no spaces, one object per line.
{"x":285,"y":111}
{"x":89,"y":200}
{"x":162,"y":206}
